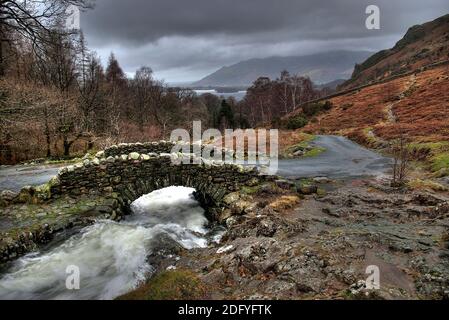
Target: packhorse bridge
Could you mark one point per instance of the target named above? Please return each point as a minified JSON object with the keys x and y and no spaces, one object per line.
{"x":104,"y":186}
{"x":131,"y":171}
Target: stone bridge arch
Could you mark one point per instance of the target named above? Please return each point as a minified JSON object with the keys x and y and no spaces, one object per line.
{"x":129,"y":171}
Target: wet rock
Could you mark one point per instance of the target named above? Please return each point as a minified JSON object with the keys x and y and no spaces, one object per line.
{"x":441,"y":209}
{"x":116,"y":180}
{"x":263,"y":226}
{"x":426,"y":199}
{"x":269,"y":188}
{"x":253,"y":182}
{"x":322,"y":180}
{"x":232,"y":221}
{"x":260,"y":255}
{"x":8,"y":196}
{"x":331,"y":212}
{"x":231,"y":198}
{"x":285,"y":184}
{"x":307,"y":189}
{"x":224,"y":215}
{"x":243,"y":207}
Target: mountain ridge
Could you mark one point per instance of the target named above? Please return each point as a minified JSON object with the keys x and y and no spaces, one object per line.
{"x":422,"y":45}
{"x":322,"y":68}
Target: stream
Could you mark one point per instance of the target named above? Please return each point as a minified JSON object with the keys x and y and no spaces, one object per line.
{"x":111,"y":256}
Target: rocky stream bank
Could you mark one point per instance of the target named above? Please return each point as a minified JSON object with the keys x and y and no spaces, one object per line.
{"x":318,"y":247}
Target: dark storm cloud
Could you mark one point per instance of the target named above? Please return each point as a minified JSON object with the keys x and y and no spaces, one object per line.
{"x":198,"y":36}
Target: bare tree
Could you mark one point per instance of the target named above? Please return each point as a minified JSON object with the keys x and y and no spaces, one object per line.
{"x":401,"y":158}
{"x":33,"y":20}
{"x":283,"y":90}
{"x":142,"y":86}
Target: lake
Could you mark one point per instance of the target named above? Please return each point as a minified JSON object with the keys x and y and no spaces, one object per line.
{"x":237,"y":95}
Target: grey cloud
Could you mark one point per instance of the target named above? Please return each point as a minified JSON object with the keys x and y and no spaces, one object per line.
{"x":200,"y":36}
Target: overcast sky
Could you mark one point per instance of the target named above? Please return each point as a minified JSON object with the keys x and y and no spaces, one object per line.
{"x":185,"y":40}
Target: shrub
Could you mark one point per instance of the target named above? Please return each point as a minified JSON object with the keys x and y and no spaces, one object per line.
{"x":297,"y":122}
{"x":313,"y":109}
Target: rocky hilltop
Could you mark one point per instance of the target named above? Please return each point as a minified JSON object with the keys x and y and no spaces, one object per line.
{"x":422,"y":45}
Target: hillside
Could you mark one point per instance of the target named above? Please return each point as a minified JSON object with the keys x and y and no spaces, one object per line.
{"x":321,"y":68}
{"x":416,"y":106}
{"x":422,"y":45}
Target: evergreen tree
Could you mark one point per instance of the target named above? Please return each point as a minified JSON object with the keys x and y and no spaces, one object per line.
{"x":226,"y":116}
{"x":114,"y":73}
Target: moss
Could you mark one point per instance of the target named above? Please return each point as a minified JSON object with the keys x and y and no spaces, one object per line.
{"x":250,"y":190}
{"x":43,"y":192}
{"x":321,"y":192}
{"x":314,"y":152}
{"x":304,"y":144}
{"x":170,"y":285}
{"x":306,"y":181}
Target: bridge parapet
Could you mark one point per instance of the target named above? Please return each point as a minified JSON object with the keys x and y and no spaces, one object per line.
{"x":161,"y":147}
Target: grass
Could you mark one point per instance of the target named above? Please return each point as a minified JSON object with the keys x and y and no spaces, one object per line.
{"x":440,"y":162}
{"x":305,"y":139}
{"x":419,"y":184}
{"x":438,"y":159}
{"x":169,"y":285}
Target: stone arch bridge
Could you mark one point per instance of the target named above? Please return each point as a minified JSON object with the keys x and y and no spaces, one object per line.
{"x":129,"y":171}
{"x":104,"y":186}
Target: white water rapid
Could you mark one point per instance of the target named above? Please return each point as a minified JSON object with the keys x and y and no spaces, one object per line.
{"x":111,"y":257}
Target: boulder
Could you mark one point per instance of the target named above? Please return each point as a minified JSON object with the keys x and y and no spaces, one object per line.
{"x":307,"y":189}
{"x":322,"y":180}
{"x":242,"y":207}
{"x":231,"y":198}
{"x":26,"y":195}
{"x":285,"y":184}
{"x":8,"y":196}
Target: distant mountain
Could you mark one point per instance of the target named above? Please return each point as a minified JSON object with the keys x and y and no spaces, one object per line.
{"x":321,"y":68}
{"x":422,"y":45}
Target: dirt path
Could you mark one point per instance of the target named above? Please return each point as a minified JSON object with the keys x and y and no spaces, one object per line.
{"x":391,"y":116}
